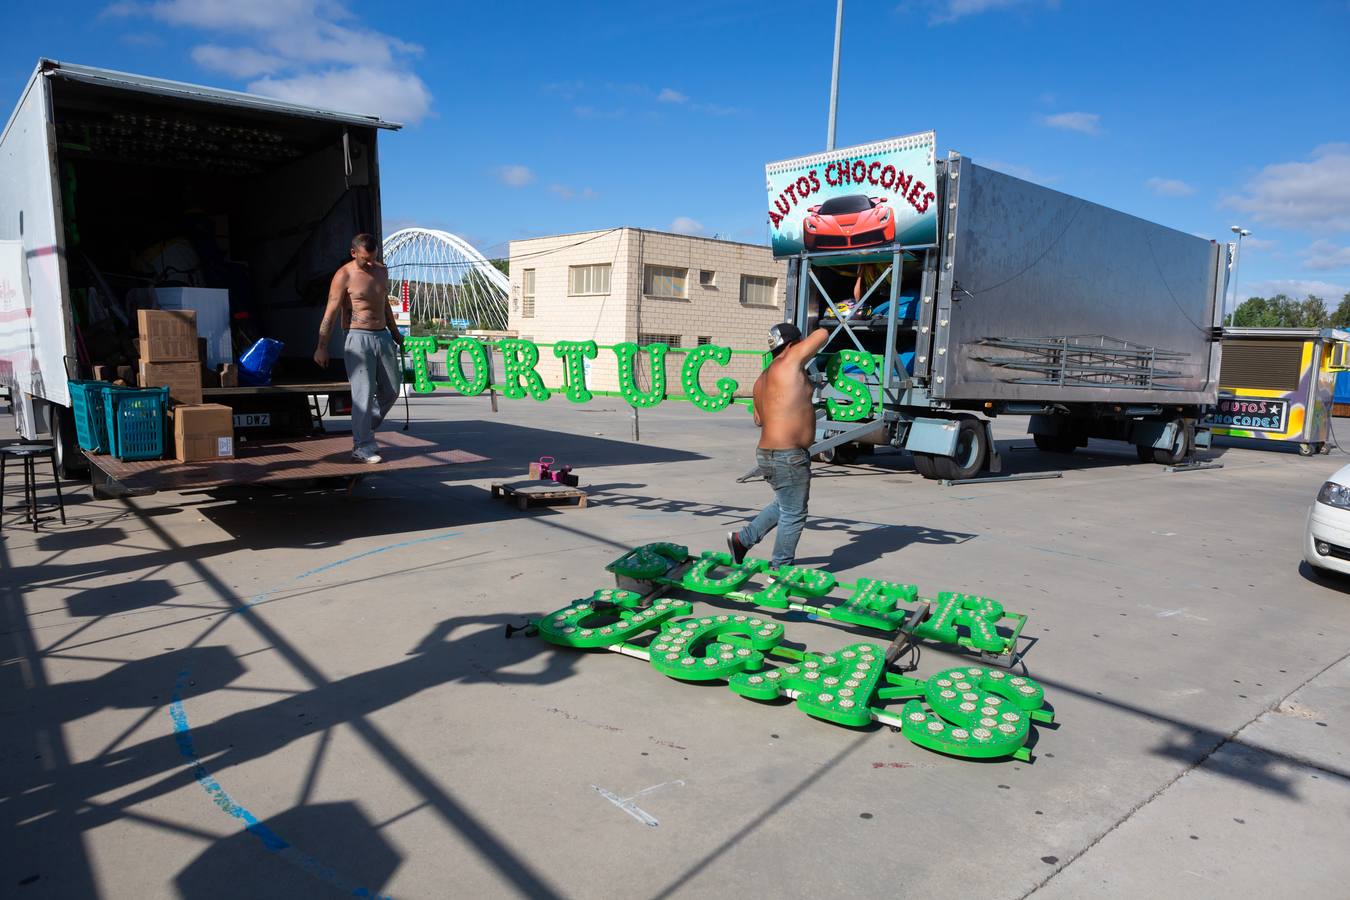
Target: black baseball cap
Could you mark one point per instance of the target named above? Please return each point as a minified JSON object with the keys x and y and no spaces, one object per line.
{"x":781,"y":335}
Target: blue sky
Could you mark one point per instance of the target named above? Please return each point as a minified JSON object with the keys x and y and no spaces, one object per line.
{"x":539,"y":118}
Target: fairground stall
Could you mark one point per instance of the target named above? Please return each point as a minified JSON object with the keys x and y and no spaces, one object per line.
{"x":1277,"y":384}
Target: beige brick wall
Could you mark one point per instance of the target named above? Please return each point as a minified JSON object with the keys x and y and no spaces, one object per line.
{"x":715,"y":312}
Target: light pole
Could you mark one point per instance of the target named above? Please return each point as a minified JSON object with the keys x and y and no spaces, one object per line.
{"x":834,"y":77}
{"x":1237,"y":260}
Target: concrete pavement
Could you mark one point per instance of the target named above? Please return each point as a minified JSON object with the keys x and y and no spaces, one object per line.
{"x":289,"y":694}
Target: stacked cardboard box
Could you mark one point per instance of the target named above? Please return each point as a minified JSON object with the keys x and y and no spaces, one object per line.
{"x":203,"y":432}
{"x":169,"y":358}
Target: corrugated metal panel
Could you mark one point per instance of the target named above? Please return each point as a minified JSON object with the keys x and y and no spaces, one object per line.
{"x":1261,"y":365}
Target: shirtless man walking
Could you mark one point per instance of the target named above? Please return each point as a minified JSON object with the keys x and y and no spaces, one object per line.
{"x":359,"y":295}
{"x":787,"y":424}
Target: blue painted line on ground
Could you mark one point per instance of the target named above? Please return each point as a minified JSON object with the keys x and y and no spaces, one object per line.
{"x":270,"y":840}
{"x":254,"y":601}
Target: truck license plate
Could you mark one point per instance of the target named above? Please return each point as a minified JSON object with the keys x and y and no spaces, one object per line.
{"x":252,"y":420}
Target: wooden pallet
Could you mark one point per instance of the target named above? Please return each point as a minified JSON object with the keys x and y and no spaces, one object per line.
{"x":533,"y":493}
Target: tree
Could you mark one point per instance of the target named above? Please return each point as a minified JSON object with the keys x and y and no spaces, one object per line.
{"x":1282,"y":311}
{"x":1341,"y":317}
{"x":1312,"y":313}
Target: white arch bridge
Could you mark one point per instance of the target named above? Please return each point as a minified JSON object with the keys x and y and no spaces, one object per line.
{"x":448,"y":283}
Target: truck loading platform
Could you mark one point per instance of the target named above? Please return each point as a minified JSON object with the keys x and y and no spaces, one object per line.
{"x":277,"y":462}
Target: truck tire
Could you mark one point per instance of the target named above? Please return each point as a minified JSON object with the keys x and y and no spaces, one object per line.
{"x":972,"y":449}
{"x":1181,"y":445}
{"x":70,"y":462}
{"x":846,"y":453}
{"x":1055,"y":443}
{"x":923,"y":464}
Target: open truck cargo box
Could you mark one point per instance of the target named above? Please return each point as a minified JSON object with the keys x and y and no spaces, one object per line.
{"x":115,"y":184}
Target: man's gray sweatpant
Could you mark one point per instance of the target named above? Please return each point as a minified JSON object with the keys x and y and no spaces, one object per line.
{"x":372,"y":368}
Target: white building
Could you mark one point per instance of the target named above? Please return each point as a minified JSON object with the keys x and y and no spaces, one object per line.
{"x":630,"y":284}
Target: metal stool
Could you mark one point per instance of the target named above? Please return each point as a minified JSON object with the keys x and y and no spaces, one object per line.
{"x":27,"y":454}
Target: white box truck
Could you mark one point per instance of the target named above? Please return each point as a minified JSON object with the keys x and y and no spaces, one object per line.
{"x":113,"y":185}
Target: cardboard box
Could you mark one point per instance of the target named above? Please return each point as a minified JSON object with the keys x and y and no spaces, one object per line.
{"x":203,"y":432}
{"x":183,"y":379}
{"x":167,"y":335}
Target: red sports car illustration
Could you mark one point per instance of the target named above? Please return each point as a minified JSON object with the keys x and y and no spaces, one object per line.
{"x":854,"y":220}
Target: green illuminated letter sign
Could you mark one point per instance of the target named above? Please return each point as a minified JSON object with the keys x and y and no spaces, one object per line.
{"x":859,"y":406}
{"x":693,"y":363}
{"x":454,"y":366}
{"x":574,"y":354}
{"x":418,"y":348}
{"x":627,"y":353}
{"x":518,"y":361}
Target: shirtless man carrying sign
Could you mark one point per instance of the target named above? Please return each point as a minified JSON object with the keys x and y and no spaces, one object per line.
{"x":787,"y":422}
{"x":360,"y":295}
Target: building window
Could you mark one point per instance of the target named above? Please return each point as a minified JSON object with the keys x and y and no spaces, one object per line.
{"x":583,"y":280}
{"x":670,"y":340}
{"x":665,"y":281}
{"x":756,"y":290}
{"x":707,"y":278}
{"x":527,"y":294}
{"x":704,"y":339}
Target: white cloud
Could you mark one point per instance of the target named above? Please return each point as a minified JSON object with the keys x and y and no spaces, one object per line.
{"x":1255,"y":243}
{"x":1309,"y":196}
{"x":568,"y":193}
{"x":670,"y":95}
{"x":514,"y":176}
{"x":1323,"y":255}
{"x":312,"y":51}
{"x":1169,"y":187}
{"x":567,"y":90}
{"x":686,"y":225}
{"x":1087,"y":123}
{"x":590,"y":112}
{"x":947,"y":11}
{"x":237,"y":62}
{"x":1293,"y":287}
{"x":393,"y":95}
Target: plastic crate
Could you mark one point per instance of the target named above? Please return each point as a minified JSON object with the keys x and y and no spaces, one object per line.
{"x":91,"y":423}
{"x":135,"y":422}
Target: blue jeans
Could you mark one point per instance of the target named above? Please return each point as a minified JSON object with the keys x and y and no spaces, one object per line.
{"x":372,"y":369}
{"x":788,"y":472}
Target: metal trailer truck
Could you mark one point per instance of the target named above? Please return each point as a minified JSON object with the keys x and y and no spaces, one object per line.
{"x":1092,"y":322}
{"x":107,"y":179}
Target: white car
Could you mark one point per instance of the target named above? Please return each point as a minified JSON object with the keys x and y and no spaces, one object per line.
{"x":1327,"y":543}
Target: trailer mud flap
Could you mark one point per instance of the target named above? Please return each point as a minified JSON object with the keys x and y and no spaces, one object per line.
{"x":1160,"y":435}
{"x":936,"y":436}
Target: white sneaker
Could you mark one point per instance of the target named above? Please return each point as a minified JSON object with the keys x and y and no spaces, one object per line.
{"x":367,"y":456}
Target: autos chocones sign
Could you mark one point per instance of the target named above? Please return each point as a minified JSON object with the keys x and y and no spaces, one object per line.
{"x":855,"y":198}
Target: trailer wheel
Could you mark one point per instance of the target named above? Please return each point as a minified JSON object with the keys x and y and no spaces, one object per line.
{"x":1181,"y":445}
{"x":846,"y":453}
{"x":972,"y":449}
{"x":70,"y":462}
{"x":923,"y":464}
{"x":1307,"y":449}
{"x":1055,"y":443}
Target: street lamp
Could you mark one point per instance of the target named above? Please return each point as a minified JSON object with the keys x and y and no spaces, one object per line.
{"x":1237,"y":259}
{"x":834,"y":76}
